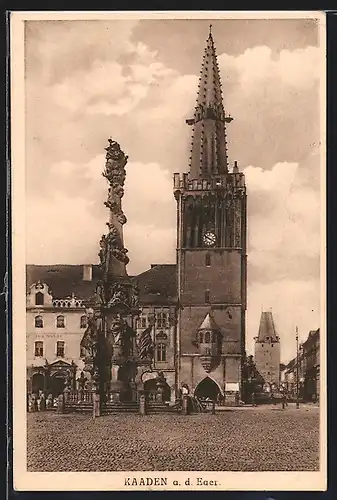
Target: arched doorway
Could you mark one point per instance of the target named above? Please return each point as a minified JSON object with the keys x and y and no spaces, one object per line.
{"x":57,"y":384}
{"x":150,"y":386}
{"x":37,"y":383}
{"x":207,"y":389}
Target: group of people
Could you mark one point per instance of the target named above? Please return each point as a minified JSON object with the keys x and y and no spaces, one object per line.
{"x":39,"y":402}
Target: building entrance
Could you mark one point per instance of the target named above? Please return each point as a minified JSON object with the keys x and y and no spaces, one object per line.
{"x":207,"y":389}
{"x":37,"y":383}
{"x":57,"y":384}
{"x":150,"y":386}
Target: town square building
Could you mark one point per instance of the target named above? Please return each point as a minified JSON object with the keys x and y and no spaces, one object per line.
{"x":195,"y":308}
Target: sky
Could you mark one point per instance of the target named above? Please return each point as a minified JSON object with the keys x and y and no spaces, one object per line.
{"x":136,"y":81}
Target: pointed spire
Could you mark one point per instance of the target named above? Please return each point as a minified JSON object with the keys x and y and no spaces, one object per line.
{"x":209,"y":324}
{"x":209,"y":150}
{"x":267,"y":330}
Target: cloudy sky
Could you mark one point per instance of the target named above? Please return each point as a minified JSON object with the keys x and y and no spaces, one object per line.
{"x":136,"y":81}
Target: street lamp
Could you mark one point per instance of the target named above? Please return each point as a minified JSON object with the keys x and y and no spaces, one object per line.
{"x":297,"y":371}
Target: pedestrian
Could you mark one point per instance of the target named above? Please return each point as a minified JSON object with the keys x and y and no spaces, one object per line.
{"x":253,"y":399}
{"x":49,"y":402}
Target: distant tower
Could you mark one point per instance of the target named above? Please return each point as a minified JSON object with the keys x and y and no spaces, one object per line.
{"x":211,"y":249}
{"x":267,"y":349}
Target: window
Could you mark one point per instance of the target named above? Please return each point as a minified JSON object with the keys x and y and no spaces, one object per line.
{"x":207,"y":338}
{"x":201,"y":337}
{"x":207,"y":296}
{"x":39,"y":299}
{"x":208,"y":260}
{"x":83,"y":321}
{"x":161,"y":352}
{"x":38,"y":322}
{"x":143,"y":322}
{"x":60,"y":349}
{"x":161,"y":320}
{"x":60,"y":322}
{"x":38,"y":349}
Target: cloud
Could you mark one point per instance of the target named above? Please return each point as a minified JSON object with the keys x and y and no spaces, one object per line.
{"x":299,"y":68}
{"x":284,"y":216}
{"x":88,"y":81}
{"x":293,"y":302}
{"x":77,"y":202}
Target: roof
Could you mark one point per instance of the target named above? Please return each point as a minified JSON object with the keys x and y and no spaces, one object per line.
{"x":209,"y":324}
{"x":157,"y":285}
{"x":267,"y":331}
{"x":63,"y":280}
{"x":313,"y":337}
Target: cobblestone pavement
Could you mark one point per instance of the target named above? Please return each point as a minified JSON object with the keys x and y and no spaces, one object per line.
{"x":271,"y":440}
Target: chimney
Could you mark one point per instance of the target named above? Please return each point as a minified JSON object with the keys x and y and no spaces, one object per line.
{"x":87,"y":272}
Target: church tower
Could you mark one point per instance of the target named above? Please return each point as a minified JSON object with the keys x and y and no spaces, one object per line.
{"x":211,"y":250}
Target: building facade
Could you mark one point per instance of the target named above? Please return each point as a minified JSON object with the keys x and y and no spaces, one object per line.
{"x":302,"y":373}
{"x":196,"y":306}
{"x":267,"y":350}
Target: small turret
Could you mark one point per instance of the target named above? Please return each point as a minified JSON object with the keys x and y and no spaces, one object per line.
{"x":209,"y":343}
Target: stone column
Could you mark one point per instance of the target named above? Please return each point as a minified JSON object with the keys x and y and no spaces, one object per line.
{"x":185,"y":405}
{"x":142,"y":403}
{"x":96,"y":404}
{"x":60,"y":404}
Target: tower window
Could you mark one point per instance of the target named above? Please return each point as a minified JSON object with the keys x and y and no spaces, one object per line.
{"x":60,"y":323}
{"x":208,"y":260}
{"x":142,"y":322}
{"x":60,"y":349}
{"x":38,"y":351}
{"x":38,"y":322}
{"x":207,"y":338}
{"x":207,"y":296}
{"x":39,"y":299}
{"x":161,"y":352}
{"x":83,"y":321}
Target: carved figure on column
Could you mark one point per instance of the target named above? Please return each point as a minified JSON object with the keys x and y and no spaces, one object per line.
{"x":115,"y":245}
{"x":116,"y":330}
{"x":116,"y":210}
{"x":118,"y":296}
{"x":103,"y":253}
{"x":114,"y":167}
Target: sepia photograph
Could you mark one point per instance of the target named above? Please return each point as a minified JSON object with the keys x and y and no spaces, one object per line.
{"x":168,"y":194}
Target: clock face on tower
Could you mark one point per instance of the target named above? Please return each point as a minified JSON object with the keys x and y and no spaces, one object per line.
{"x":209,"y":239}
